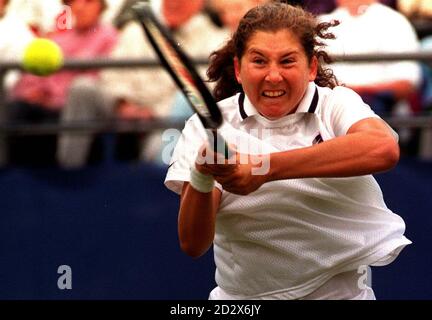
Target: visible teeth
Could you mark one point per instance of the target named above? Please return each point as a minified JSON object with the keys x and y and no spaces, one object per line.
{"x":273,"y":93}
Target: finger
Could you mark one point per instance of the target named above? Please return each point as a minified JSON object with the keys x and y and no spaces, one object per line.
{"x":221,"y":169}
{"x":226,"y":181}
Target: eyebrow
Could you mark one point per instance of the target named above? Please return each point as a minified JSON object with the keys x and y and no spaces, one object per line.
{"x":261,"y":53}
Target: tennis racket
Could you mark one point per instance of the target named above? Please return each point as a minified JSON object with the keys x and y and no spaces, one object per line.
{"x":184,"y":74}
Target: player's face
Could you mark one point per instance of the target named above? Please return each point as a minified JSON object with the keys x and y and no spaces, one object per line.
{"x":275,"y":72}
{"x":86,"y":13}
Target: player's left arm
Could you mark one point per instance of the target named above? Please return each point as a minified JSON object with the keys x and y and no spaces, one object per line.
{"x":368,"y":147}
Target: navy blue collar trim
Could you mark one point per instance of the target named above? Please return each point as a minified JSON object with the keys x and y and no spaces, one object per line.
{"x":241,"y":106}
{"x":314,"y":102}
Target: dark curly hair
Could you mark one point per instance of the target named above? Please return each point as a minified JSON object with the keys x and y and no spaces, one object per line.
{"x":272,"y":17}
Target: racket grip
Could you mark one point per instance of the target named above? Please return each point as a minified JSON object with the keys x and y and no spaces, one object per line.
{"x":220,"y":145}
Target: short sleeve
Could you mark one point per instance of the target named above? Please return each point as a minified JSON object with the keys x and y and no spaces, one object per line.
{"x":345,"y":108}
{"x":185,"y":152}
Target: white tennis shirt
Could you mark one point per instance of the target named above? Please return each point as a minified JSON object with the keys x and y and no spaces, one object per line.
{"x":291,"y":236}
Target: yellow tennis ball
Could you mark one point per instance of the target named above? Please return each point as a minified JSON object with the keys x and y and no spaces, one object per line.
{"x":42,"y":57}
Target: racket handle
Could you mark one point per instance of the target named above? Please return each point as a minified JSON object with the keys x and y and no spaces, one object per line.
{"x":220,"y":145}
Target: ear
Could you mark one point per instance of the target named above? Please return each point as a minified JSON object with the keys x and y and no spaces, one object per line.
{"x":237,"y":69}
{"x":313,"y":68}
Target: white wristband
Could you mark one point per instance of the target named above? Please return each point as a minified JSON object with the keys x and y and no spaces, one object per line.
{"x":201,"y":182}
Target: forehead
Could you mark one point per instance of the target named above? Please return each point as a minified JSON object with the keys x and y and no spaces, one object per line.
{"x":273,"y":41}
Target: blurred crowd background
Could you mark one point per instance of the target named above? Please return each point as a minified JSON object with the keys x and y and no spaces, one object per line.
{"x":105,"y":29}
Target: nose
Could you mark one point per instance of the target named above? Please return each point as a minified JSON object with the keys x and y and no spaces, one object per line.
{"x":273,"y":75}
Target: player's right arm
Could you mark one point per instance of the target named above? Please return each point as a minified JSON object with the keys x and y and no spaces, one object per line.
{"x":196,"y":221}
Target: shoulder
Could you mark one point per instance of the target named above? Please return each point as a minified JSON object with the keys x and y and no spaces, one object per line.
{"x":327,"y":94}
{"x":340,"y":108}
{"x":338,"y":98}
{"x":14,"y":23}
{"x":340,"y":14}
{"x":380,"y":8}
{"x":381,"y":11}
{"x":338,"y":93}
{"x":230,"y":102}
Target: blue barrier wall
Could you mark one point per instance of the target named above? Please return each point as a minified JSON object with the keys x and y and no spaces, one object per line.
{"x":115,"y":226}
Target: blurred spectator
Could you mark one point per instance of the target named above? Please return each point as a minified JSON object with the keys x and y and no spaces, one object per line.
{"x":15,"y":35}
{"x":319,"y":7}
{"x":112,"y":10}
{"x":370,"y":27}
{"x":415,"y":8}
{"x":192,"y":28}
{"x":148,"y":92}
{"x":316,"y":7}
{"x":231,"y":11}
{"x":42,"y":99}
{"x":419,"y":12}
{"x":426,"y":99}
{"x":134,"y":94}
{"x":38,"y":15}
{"x":390,"y":3}
{"x":425,"y":143}
{"x":327,"y":6}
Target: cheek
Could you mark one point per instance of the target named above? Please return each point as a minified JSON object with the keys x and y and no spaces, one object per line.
{"x":298,"y":78}
{"x":250,"y":76}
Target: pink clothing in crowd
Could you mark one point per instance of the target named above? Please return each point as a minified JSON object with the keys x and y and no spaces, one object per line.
{"x":96,"y":42}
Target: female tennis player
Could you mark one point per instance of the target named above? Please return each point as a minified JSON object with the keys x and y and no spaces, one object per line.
{"x":303,"y":227}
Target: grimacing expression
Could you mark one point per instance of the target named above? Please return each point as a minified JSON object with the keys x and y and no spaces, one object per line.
{"x":275,"y":72}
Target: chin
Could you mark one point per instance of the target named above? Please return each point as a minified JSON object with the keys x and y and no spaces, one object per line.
{"x":275,"y":113}
{"x":273,"y":116}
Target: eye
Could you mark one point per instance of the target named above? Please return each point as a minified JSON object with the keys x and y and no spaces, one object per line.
{"x":258,"y":61}
{"x":287,"y":61}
